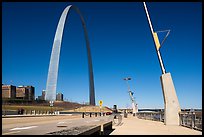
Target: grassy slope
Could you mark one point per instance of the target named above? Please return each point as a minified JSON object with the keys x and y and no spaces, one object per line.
{"x":58,"y":105}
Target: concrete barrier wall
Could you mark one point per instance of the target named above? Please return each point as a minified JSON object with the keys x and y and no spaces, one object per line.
{"x":100,"y":129}
{"x":9,"y":112}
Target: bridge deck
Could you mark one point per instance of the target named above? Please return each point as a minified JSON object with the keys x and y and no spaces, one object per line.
{"x":135,"y":126}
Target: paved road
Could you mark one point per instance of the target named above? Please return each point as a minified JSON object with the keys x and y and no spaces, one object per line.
{"x":46,"y":124}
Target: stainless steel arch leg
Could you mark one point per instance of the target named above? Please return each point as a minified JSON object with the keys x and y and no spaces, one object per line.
{"x":54,"y":60}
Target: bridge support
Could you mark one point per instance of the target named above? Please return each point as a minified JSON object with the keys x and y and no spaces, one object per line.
{"x":171,"y":103}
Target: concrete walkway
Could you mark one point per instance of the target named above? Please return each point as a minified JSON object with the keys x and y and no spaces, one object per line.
{"x":135,"y":126}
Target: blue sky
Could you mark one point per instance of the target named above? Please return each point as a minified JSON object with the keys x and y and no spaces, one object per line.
{"x":121,"y":46}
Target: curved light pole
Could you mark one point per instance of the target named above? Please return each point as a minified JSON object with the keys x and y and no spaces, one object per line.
{"x":134,"y":105}
{"x":172,"y":107}
{"x":156,"y":40}
{"x":54,"y":60}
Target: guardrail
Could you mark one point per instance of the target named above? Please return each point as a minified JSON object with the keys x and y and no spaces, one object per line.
{"x":156,"y":116}
{"x":30,"y":112}
{"x":86,"y":114}
{"x":191,"y":119}
{"x":90,"y":114}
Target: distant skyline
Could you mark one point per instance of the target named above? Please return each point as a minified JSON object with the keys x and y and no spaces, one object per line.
{"x":121,"y":46}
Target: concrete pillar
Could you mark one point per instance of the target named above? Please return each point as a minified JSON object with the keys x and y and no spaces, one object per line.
{"x":171,"y":103}
{"x":160,"y":117}
{"x":25,"y":112}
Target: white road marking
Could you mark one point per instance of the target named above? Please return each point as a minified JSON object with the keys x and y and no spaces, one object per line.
{"x":62,"y":122}
{"x":11,"y":132}
{"x":21,"y":128}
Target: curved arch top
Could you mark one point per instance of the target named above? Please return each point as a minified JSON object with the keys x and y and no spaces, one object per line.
{"x":54,"y":60}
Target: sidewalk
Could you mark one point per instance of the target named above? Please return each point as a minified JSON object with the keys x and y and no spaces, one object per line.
{"x":134,"y":126}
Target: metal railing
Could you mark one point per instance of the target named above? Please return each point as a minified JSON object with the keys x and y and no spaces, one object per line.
{"x":191,"y":119}
{"x":156,"y":116}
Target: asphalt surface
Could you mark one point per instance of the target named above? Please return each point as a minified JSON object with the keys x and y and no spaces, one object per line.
{"x":46,"y":124}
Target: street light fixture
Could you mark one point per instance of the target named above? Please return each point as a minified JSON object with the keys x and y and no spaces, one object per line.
{"x":126,"y":79}
{"x":134,"y":106}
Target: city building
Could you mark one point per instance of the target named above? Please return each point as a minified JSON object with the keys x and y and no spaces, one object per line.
{"x":31,"y":92}
{"x":22,"y":93}
{"x":42,"y":97}
{"x":8,"y":91}
{"x":39,"y":98}
{"x":59,"y":97}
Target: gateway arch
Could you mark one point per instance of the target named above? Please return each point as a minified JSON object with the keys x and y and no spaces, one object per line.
{"x":51,"y":85}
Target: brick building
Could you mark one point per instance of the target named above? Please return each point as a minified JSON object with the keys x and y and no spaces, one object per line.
{"x":8,"y":91}
{"x":22,"y":93}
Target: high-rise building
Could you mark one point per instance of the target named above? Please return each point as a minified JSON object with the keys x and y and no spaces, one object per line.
{"x":22,"y":93}
{"x":43,"y":94}
{"x":42,"y":97}
{"x":59,"y":97}
{"x":39,"y":98}
{"x":31,"y":92}
{"x":8,"y":91}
